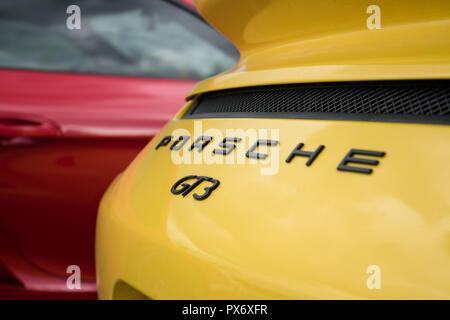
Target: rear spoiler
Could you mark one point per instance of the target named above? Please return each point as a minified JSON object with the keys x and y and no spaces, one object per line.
{"x":298,"y":41}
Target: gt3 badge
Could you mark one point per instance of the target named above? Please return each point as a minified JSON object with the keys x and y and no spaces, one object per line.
{"x":186,"y":188}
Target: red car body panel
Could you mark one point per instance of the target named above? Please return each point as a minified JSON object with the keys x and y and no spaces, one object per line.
{"x":83,"y":105}
{"x":63,"y":138}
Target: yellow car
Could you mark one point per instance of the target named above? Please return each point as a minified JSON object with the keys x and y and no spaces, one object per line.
{"x":317,"y":168}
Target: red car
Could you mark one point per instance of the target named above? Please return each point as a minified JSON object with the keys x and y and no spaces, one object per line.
{"x":76,"y":106}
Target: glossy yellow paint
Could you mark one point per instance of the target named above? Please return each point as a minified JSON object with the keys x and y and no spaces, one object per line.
{"x":298,"y":41}
{"x":304,"y":232}
{"x":301,"y":232}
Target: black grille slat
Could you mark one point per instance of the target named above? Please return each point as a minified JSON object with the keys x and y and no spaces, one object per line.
{"x":378,"y":100}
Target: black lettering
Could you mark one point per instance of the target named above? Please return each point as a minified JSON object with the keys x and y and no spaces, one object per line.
{"x":312,"y":155}
{"x":251,"y":154}
{"x":208,"y":190}
{"x":182,"y":139}
{"x":164,"y":142}
{"x":197,"y":143}
{"x":186,"y":188}
{"x":229,"y":147}
{"x":349,"y":158}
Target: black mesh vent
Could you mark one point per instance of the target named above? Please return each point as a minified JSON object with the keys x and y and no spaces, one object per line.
{"x":397,"y":100}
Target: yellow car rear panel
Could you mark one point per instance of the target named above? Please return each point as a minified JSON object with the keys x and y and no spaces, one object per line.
{"x":298,"y":41}
{"x":283,"y":230}
{"x":304,"y":232}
